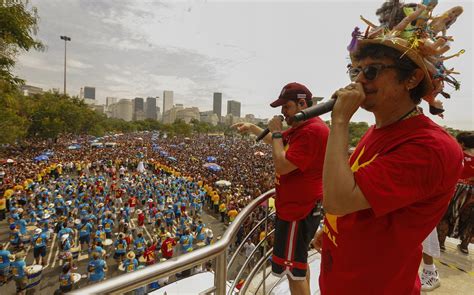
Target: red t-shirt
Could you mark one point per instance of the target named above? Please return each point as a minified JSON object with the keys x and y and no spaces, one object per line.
{"x":468,"y":170}
{"x":149,"y":254}
{"x":132,"y":201}
{"x":298,"y":191}
{"x":167,"y":247}
{"x":407,"y":172}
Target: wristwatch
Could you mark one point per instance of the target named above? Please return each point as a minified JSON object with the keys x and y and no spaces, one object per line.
{"x":277,"y":135}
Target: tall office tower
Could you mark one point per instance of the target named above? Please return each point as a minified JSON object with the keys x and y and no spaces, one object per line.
{"x":233,"y":107}
{"x":167,"y":101}
{"x":217,"y":104}
{"x":151,"y":108}
{"x":89,"y":92}
{"x":138,"y":109}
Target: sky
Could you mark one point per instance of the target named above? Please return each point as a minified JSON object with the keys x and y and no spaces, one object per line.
{"x":247,"y":50}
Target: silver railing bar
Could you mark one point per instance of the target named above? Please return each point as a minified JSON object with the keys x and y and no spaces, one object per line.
{"x":265,"y":244}
{"x":265,"y":276}
{"x":139,"y":278}
{"x":252,"y":254}
{"x":234,"y":256}
{"x":255,"y":270}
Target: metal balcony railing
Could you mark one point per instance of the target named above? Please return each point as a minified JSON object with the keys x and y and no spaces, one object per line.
{"x":218,"y":251}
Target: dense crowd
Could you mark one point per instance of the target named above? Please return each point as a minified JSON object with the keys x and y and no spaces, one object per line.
{"x":90,"y":195}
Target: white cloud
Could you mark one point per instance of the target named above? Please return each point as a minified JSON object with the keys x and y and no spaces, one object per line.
{"x":246,"y":50}
{"x":73,"y":63}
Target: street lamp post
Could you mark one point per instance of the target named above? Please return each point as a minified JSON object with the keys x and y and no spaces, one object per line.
{"x":65,"y":38}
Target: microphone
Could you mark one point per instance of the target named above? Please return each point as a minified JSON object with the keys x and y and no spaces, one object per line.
{"x":314,"y":111}
{"x":266,"y":131}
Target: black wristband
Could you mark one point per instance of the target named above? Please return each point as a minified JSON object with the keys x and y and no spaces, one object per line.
{"x":277,"y":135}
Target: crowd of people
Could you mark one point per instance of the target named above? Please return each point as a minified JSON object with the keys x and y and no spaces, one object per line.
{"x":98,"y":194}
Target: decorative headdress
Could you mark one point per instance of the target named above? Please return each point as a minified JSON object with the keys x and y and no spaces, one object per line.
{"x":413,"y":30}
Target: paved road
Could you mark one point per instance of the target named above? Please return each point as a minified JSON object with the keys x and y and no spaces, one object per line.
{"x":50,"y":275}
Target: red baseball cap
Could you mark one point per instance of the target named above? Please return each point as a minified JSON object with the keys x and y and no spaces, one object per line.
{"x":292,"y":91}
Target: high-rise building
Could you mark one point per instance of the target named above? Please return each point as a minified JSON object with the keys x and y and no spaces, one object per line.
{"x":151,"y":108}
{"x":233,"y":107}
{"x":167,"y":101}
{"x":217,"y":104}
{"x":89,"y":92}
{"x":138,"y":109}
{"x":158,"y":114}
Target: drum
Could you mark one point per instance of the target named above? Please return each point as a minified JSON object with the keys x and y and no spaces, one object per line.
{"x":25,"y":239}
{"x":75,"y":252}
{"x":34,"y":275}
{"x":142,"y":261}
{"x":64,"y":255}
{"x":31,"y":228}
{"x":107,"y":242}
{"x":76,"y":277}
{"x":200,"y":244}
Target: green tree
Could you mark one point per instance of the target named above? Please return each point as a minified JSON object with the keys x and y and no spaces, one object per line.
{"x":356,"y":130}
{"x":18,"y":25}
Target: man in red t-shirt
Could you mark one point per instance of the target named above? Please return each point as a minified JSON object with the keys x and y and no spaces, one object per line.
{"x":167,"y":246}
{"x":132,"y":202}
{"x":298,"y":155}
{"x":384,"y":201}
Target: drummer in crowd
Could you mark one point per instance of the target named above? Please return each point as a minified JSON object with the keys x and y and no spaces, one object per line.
{"x":139,"y":244}
{"x":130,"y":264}
{"x":100,"y":235}
{"x":120,"y":248}
{"x":39,"y":246}
{"x":15,"y":240}
{"x":85,"y":229}
{"x":97,"y":268}
{"x":5,"y":260}
{"x":65,"y":279}
{"x":18,"y":269}
{"x":186,"y":241}
{"x":65,"y":248}
{"x":96,"y":248}
{"x":108,"y":224}
{"x":65,"y":230}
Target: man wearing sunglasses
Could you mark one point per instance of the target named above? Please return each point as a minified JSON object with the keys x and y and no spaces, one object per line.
{"x":383,"y":201}
{"x":298,"y":154}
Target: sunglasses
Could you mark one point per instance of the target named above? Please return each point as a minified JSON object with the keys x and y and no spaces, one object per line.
{"x":370,"y":72}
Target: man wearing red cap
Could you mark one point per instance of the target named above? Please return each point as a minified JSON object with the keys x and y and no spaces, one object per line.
{"x":298,"y":155}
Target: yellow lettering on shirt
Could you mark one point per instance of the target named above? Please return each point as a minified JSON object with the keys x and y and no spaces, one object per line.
{"x":331,"y":237}
{"x":330,"y":224}
{"x":356,"y":166}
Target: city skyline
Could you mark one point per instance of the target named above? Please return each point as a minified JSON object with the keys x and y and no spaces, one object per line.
{"x":132,"y":49}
